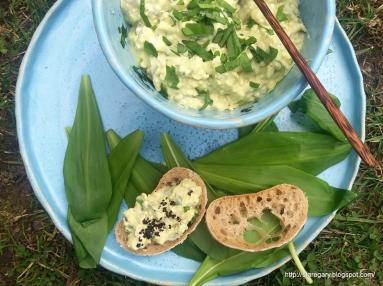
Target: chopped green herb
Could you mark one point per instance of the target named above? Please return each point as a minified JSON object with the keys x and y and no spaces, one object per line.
{"x":248,"y":42}
{"x":226,"y":6}
{"x":222,"y":36}
{"x":197,"y":49}
{"x":181,"y":48}
{"x":223,"y":58}
{"x":262,"y":56}
{"x":143,"y":15}
{"x":174,"y":21}
{"x":164,"y":91}
{"x":234,"y":47}
{"x":185,"y":15}
{"x":218,"y":36}
{"x":269,"y":31}
{"x":205,"y":44}
{"x":237,"y":22}
{"x":220,"y":69}
{"x":216,"y":16}
{"x":208,"y":6}
{"x":180,"y":2}
{"x":242,"y":61}
{"x":166,"y":41}
{"x":329,"y":51}
{"x":254,"y":84}
{"x":178,"y":15}
{"x":124,"y":34}
{"x":245,"y":63}
{"x":150,"y":49}
{"x":216,"y":53}
{"x":171,"y":77}
{"x":143,"y":76}
{"x":281,"y":16}
{"x":197,"y":29}
{"x":250,"y":23}
{"x":207,"y":100}
{"x":192,"y":4}
{"x":228,"y":66}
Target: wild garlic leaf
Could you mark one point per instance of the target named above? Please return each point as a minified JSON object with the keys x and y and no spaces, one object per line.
{"x":88,"y":249}
{"x":242,"y":179}
{"x":144,"y":179}
{"x":262,"y":126}
{"x":122,"y":160}
{"x":315,"y":114}
{"x":237,"y":262}
{"x":189,"y":250}
{"x":311,"y":152}
{"x":171,"y":77}
{"x":112,"y":138}
{"x":87,"y":179}
{"x":264,"y":229}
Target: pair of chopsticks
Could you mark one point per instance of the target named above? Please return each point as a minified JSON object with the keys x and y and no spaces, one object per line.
{"x":361,"y":148}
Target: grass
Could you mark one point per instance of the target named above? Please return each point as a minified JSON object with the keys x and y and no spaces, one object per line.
{"x":33,"y":252}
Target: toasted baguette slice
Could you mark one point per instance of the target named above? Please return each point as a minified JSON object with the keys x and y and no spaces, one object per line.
{"x":173,"y":176}
{"x":227,"y":217}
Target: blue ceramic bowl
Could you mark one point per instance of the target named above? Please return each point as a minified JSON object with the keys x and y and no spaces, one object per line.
{"x":318,"y":17}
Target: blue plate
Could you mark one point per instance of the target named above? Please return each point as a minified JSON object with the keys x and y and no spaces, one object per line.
{"x":62,"y":49}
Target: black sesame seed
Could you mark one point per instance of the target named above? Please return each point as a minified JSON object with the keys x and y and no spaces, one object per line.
{"x":145,"y":220}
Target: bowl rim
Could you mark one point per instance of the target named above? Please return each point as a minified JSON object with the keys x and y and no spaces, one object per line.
{"x":206,"y":122}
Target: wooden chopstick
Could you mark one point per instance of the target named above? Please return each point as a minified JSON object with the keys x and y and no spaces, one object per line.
{"x":362,"y":149}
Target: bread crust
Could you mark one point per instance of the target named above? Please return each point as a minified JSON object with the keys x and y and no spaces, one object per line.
{"x":174,"y":175}
{"x":227,"y":217}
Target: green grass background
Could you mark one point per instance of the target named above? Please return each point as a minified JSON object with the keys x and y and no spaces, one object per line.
{"x":33,"y":252}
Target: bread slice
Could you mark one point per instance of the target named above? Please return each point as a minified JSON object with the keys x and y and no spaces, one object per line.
{"x":227,"y":217}
{"x":173,"y":176}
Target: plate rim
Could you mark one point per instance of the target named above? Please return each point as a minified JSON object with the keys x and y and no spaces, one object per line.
{"x":21,"y":81}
